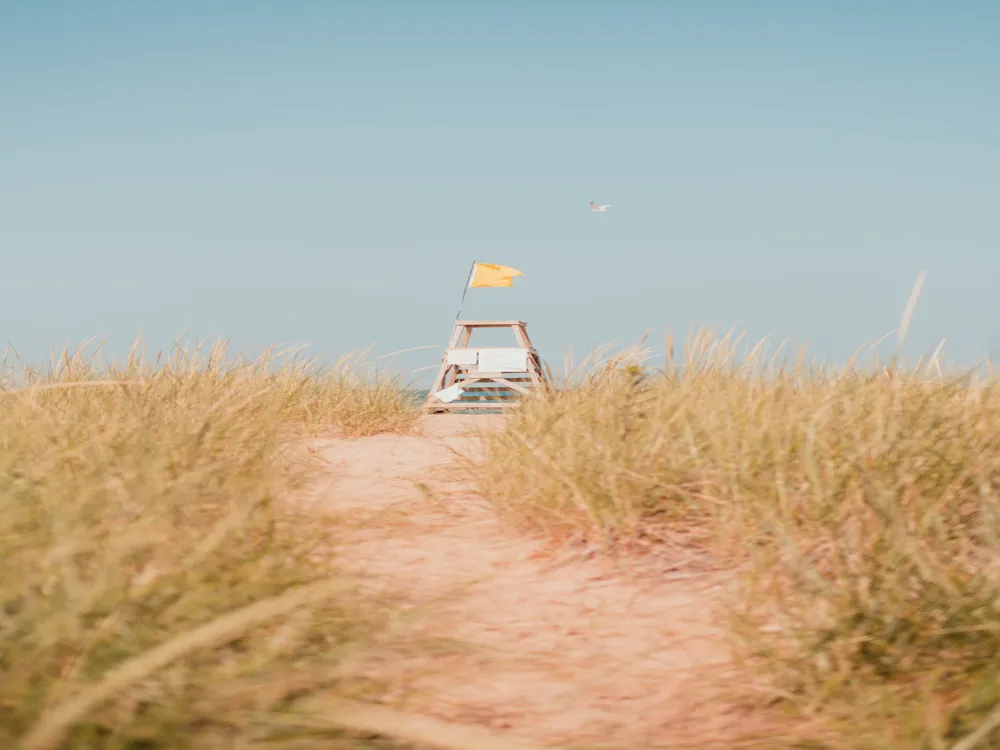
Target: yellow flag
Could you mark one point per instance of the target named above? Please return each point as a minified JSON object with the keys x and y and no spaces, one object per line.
{"x":490,"y":274}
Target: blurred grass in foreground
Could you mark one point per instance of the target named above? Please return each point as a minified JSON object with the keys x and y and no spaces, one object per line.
{"x":154,"y":593}
{"x":861,"y":509}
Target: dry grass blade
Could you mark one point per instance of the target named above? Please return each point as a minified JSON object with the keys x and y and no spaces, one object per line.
{"x":66,"y":386}
{"x":52,"y":725}
{"x":911,"y":306}
{"x":410,"y":728}
{"x":973,"y":740}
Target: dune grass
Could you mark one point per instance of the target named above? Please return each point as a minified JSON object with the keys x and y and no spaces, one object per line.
{"x":155,"y":592}
{"x":860,"y":508}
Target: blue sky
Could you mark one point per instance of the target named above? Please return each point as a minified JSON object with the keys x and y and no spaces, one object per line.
{"x":325,"y":171}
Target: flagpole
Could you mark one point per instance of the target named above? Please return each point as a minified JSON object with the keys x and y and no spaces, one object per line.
{"x":472,"y":270}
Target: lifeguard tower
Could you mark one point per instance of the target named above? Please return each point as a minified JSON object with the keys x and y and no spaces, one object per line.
{"x":489,"y":377}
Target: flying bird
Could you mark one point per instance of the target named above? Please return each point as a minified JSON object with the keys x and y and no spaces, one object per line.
{"x":595,"y":207}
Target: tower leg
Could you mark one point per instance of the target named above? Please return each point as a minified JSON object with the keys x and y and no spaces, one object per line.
{"x":446,"y":370}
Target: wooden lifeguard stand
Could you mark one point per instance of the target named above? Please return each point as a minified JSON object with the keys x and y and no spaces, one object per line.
{"x":485,"y":377}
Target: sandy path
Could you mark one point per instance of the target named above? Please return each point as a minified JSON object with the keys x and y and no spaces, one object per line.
{"x":559,"y":651}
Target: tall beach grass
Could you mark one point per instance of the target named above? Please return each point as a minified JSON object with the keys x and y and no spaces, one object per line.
{"x":859,"y":508}
{"x":156,"y":592}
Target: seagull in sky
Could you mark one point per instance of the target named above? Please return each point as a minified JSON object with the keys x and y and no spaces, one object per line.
{"x":595,"y":207}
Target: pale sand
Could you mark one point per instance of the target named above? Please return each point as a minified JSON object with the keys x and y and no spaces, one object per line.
{"x":561,"y":650}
